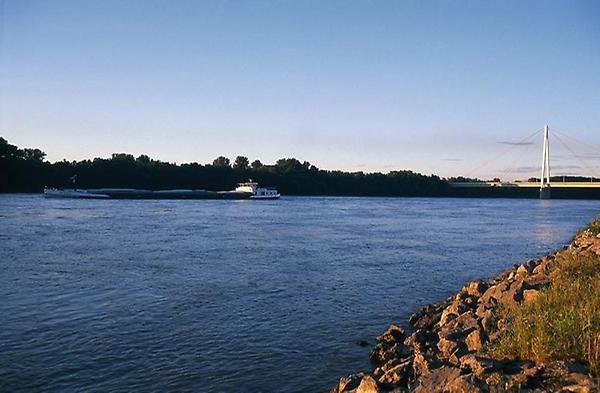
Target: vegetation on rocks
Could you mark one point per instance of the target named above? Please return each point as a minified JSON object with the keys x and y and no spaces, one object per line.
{"x":593,"y":229}
{"x":534,"y":327}
{"x":563,"y":321}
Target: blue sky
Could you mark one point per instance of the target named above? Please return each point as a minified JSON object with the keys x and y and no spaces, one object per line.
{"x":432,"y":86}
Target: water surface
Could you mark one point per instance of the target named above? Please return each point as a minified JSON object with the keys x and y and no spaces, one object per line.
{"x":244,"y":296}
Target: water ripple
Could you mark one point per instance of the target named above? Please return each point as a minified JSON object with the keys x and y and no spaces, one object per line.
{"x":220,"y":296}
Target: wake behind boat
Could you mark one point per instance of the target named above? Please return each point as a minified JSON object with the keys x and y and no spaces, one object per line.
{"x":249,"y":190}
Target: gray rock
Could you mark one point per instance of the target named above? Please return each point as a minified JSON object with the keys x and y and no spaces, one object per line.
{"x":436,"y":381}
{"x":479,"y":365}
{"x":467,"y":383}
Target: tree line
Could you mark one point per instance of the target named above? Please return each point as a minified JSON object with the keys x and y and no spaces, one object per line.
{"x":26,"y":170}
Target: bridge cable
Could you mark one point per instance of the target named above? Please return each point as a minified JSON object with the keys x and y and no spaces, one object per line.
{"x":593,"y":147}
{"x":519,"y":158}
{"x":581,"y":160}
{"x":502,"y":153}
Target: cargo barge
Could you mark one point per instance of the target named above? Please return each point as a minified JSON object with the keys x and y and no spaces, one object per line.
{"x":249,"y":190}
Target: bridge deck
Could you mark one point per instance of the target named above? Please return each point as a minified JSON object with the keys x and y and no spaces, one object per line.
{"x":526,"y":184}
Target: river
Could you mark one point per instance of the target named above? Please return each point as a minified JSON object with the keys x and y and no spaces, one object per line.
{"x":239,"y":296}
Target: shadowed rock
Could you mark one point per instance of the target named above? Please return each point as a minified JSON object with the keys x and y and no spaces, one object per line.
{"x":390,"y":345}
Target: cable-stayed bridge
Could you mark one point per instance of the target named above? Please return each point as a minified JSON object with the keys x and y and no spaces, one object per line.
{"x":562,"y":186}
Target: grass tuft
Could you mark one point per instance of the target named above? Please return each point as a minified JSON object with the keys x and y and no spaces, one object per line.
{"x":594,"y":228}
{"x":562,"y":323}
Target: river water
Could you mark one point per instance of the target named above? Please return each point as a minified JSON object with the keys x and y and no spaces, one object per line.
{"x":238,"y":296}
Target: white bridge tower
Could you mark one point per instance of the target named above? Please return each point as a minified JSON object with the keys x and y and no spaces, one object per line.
{"x":545,"y":177}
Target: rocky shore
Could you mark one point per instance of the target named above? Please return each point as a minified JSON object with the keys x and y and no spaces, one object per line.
{"x":444,"y":350}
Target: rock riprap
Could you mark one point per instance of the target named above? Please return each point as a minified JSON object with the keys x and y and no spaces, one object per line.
{"x":442,"y":349}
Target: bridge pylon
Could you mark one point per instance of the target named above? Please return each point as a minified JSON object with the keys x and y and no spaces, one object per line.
{"x":545,"y":176}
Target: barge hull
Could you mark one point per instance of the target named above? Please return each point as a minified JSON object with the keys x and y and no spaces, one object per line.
{"x":144,"y":194}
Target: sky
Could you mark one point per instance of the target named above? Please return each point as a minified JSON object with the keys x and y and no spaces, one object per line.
{"x":438,"y":87}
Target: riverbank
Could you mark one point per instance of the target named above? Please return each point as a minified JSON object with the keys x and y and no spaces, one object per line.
{"x":534,"y":327}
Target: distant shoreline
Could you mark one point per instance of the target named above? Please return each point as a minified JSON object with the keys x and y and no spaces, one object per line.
{"x":491,"y":193}
{"x":25,"y":170}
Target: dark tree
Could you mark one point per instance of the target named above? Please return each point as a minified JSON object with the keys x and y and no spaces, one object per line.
{"x":24,"y":170}
{"x":241,"y":163}
{"x":143,"y":160}
{"x":256,"y":164}
{"x":221,"y":162}
{"x":33,"y":154}
{"x":123,"y":157}
{"x":7,"y":150}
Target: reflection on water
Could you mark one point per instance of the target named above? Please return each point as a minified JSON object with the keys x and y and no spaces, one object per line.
{"x":234,"y":295}
{"x":545,"y":230}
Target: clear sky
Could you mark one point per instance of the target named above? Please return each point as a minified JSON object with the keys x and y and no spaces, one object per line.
{"x":432,"y":86}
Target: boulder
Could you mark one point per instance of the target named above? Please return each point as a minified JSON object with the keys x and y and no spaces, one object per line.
{"x":455,"y":357}
{"x":514,"y":293}
{"x":424,"y":363}
{"x":367,"y":385}
{"x":393,"y":334}
{"x":467,"y":383}
{"x":470,"y":301}
{"x":348,"y":383}
{"x":421,"y":340}
{"x":522,"y":271}
{"x":475,"y":340}
{"x":538,"y":282}
{"x":436,"y":381}
{"x":381,"y":354}
{"x":447,"y":347}
{"x":479,"y":365}
{"x":527,"y":268}
{"x":495,"y":292}
{"x":390,"y":345}
{"x":530,"y":295}
{"x":504,"y":275}
{"x":456,"y":308}
{"x":459,"y":327}
{"x":488,"y":322}
{"x":399,"y":375}
{"x":391,"y":364}
{"x":528,"y":379}
{"x":475,"y":288}
{"x":580,"y":388}
{"x":572,"y":376}
{"x":428,"y":316}
{"x":484,"y":308}
{"x":495,"y":379}
{"x":546,"y":265}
